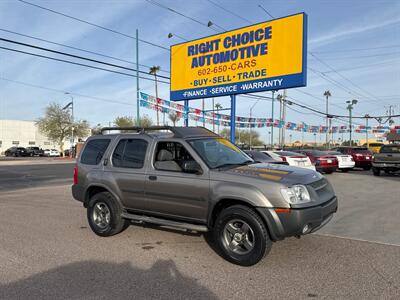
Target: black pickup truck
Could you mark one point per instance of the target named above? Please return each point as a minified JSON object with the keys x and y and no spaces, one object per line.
{"x":387,"y":160}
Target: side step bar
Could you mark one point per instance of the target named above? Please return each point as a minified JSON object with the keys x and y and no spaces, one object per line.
{"x":164,"y":222}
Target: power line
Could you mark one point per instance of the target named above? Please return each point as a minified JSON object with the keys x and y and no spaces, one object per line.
{"x":262,"y":7}
{"x":93,"y":24}
{"x":357,"y":49}
{"x":231,"y":12}
{"x":63,"y":92}
{"x":78,"y":64}
{"x":76,"y":56}
{"x":208,"y":25}
{"x":344,"y":77}
{"x":179,"y":13}
{"x":362,"y":56}
{"x":78,"y":49}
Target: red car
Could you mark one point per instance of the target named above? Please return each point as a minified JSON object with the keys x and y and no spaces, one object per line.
{"x":324,"y":163}
{"x":361,"y":155}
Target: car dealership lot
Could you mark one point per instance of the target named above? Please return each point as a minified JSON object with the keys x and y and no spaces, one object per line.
{"x":48,"y":251}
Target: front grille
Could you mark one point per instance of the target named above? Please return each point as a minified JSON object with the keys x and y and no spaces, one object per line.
{"x":319,"y":184}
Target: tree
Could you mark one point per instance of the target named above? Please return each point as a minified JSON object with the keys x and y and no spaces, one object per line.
{"x":96,"y":130}
{"x":153,"y":71}
{"x":243,"y":136}
{"x":57,"y":125}
{"x":173,"y":116}
{"x":127,"y":121}
{"x":124,"y":121}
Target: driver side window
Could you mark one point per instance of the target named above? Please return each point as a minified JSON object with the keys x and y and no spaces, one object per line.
{"x":171,"y":156}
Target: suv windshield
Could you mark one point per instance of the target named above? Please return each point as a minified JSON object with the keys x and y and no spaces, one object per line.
{"x":218,"y":152}
{"x":390,"y":149}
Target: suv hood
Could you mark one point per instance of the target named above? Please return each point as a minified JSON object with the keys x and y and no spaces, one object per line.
{"x":283,"y":174}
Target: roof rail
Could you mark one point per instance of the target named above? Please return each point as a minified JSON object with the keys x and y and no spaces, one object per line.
{"x":139,"y":129}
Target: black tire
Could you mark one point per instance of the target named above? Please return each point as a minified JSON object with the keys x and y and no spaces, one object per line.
{"x":344,"y":170}
{"x":257,"y":235}
{"x":115,"y":224}
{"x":376,"y":171}
{"x":367,"y":168}
{"x":328,"y":172}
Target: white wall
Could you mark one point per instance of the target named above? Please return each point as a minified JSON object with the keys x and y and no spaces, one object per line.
{"x":26,"y":133}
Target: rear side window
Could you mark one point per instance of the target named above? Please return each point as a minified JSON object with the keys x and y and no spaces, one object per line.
{"x":130,"y":153}
{"x":390,"y":149}
{"x":94,"y":151}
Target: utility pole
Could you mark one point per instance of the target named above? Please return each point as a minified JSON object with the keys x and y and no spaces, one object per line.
{"x":213,"y":115}
{"x":204,"y":116}
{"x":367,"y":116}
{"x":350,"y":108}
{"x":279,"y":98}
{"x":283,"y":116}
{"x":327,"y":94}
{"x":250,"y":133}
{"x":137,"y":79}
{"x":272,"y":116}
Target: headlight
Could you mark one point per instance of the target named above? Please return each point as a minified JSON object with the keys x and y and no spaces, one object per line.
{"x":296,"y":194}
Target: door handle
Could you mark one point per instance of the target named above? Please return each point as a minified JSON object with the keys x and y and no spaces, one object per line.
{"x":152,"y":177}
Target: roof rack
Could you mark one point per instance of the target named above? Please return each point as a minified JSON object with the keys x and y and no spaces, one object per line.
{"x":139,"y":129}
{"x":179,"y":132}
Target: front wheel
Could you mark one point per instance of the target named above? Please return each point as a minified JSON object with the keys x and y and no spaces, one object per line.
{"x":241,"y":236}
{"x":376,"y":171}
{"x":104,"y":215}
{"x":344,"y":170}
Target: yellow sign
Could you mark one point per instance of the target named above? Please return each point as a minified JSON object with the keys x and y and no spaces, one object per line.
{"x":265,"y":56}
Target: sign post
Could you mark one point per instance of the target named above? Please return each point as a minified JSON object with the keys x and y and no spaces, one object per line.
{"x":233,"y":119}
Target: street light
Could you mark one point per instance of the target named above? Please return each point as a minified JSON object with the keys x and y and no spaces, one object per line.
{"x":251,"y":111}
{"x":171,"y":35}
{"x":72,"y":117}
{"x":367,"y":116}
{"x":350,"y":108}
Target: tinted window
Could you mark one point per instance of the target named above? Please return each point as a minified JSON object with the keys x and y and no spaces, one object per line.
{"x":287,"y":153}
{"x":361,"y":150}
{"x":259,"y":156}
{"x":130,"y":153}
{"x":390,"y":149}
{"x":94,"y":151}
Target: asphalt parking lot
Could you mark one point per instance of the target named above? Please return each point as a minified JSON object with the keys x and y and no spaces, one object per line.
{"x":47,"y":250}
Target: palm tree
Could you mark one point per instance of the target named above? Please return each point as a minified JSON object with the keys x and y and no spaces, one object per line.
{"x":327,"y":94}
{"x":153,"y":71}
{"x":218,"y":106}
{"x":173,"y":116}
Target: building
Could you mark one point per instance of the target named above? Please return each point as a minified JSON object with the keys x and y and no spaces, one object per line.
{"x":23,"y":134}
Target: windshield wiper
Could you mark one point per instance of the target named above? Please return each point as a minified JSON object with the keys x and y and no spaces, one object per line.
{"x":245,"y":163}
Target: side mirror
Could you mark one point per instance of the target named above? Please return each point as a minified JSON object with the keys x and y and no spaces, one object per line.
{"x":191,"y":167}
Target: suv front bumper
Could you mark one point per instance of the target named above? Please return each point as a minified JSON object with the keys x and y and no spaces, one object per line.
{"x":297,"y":221}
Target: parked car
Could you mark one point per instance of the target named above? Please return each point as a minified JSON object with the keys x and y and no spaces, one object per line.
{"x":51,"y":153}
{"x":35,"y":151}
{"x":262,"y":157}
{"x":361,"y":156}
{"x":190,"y":178}
{"x":345,"y":161}
{"x":292,"y":158}
{"x":16,"y":151}
{"x":323,"y":162}
{"x":373,"y":147}
{"x":387,"y":160}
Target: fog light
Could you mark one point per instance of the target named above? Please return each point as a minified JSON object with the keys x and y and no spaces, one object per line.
{"x":306,"y":229}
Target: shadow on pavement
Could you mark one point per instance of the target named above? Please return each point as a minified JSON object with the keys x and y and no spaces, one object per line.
{"x":105,"y":280}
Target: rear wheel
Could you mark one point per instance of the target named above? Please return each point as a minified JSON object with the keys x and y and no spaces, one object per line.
{"x":104,"y":215}
{"x":376,"y":171}
{"x":241,"y":236}
{"x":367,"y":168}
{"x":344,"y":170}
{"x":328,"y":172}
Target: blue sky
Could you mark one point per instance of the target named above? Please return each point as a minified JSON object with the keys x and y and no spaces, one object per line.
{"x":341,"y":33}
